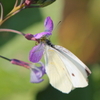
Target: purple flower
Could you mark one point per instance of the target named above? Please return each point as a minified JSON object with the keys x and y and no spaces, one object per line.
{"x":48,"y":23}
{"x":36,"y":72}
{"x":37,"y":51}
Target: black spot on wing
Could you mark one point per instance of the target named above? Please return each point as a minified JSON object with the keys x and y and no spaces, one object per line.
{"x":73,"y":74}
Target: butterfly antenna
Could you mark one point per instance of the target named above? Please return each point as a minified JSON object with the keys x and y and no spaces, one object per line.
{"x":57,"y":25}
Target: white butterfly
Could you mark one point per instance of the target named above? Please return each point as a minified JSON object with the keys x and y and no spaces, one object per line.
{"x":64,"y":69}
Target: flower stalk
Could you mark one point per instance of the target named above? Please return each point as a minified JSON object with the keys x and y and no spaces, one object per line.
{"x":23,"y":5}
{"x":11,"y":30}
{"x":15,"y":10}
{"x":36,"y":72}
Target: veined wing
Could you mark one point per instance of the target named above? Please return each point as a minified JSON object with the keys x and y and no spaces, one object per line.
{"x":77,"y":69}
{"x":79,"y":64}
{"x":56,"y":70}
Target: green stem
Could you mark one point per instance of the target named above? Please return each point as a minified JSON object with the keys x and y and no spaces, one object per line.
{"x":5,"y":58}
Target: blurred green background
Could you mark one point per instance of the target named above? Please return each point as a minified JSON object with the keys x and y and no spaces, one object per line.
{"x":14,"y":80}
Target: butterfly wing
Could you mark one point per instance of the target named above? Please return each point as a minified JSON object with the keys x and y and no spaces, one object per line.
{"x":77,"y":69}
{"x":65,"y":72}
{"x":56,"y":71}
{"x":79,"y":64}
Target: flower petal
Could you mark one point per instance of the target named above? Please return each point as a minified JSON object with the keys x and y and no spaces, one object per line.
{"x":37,"y":73}
{"x":34,"y":78}
{"x":42,"y":34}
{"x":36,"y":53}
{"x":48,"y":23}
{"x":42,"y":68}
